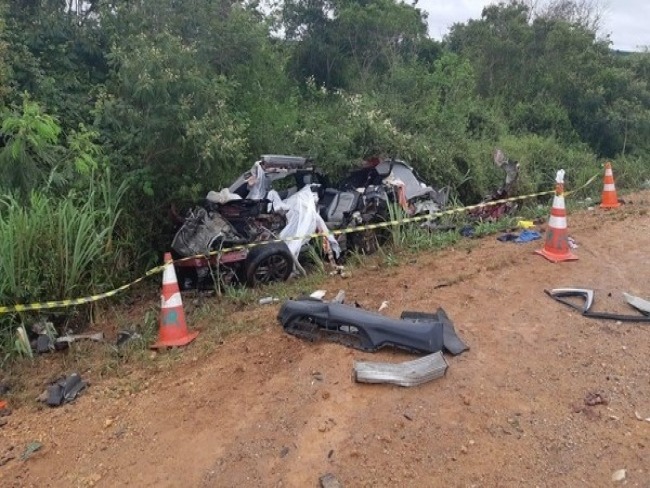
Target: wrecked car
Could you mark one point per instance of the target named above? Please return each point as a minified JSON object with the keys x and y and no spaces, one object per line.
{"x":282,"y":197}
{"x":215,"y":225}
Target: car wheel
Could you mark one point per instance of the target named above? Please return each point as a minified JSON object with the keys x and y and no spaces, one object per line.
{"x":268,"y":263}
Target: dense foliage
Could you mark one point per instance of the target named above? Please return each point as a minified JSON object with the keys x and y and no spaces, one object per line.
{"x":167,"y":99}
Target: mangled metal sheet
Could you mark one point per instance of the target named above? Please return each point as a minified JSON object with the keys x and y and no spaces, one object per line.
{"x":409,"y":373}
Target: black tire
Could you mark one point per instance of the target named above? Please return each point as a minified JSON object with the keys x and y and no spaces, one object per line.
{"x":268,"y":263}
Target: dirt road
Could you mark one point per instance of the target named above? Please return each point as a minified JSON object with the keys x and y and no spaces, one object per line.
{"x":266,"y":409}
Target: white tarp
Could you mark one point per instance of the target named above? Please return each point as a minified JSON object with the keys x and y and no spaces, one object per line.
{"x":257,"y":183}
{"x":302,"y":220}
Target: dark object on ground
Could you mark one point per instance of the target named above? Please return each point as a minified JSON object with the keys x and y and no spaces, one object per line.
{"x":329,"y":481}
{"x":528,"y":236}
{"x":125,"y":336}
{"x":314,"y":320}
{"x":451,"y":342}
{"x":409,"y":373}
{"x":559,"y":294}
{"x":467,"y":231}
{"x":65,"y":390}
{"x":508,"y":237}
{"x":595,"y":398}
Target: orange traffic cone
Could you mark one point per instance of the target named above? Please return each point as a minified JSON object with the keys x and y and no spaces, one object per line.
{"x":609,"y":198}
{"x":172,"y":330}
{"x":556,"y":247}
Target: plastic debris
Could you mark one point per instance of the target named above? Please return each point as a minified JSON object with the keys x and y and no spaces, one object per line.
{"x":525,"y":224}
{"x":619,"y":475}
{"x":640,"y":304}
{"x":409,"y":373}
{"x":528,"y":236}
{"x":64,"y":390}
{"x":268,"y":300}
{"x":340,"y":297}
{"x":318,"y":294}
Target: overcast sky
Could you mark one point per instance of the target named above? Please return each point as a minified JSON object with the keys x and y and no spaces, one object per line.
{"x":626,"y":21}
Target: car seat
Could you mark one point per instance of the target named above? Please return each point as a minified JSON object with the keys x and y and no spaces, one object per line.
{"x":342,"y":203}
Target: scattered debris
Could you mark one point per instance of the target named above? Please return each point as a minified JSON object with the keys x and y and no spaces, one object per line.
{"x":23,"y":347}
{"x":268,"y":300}
{"x":126,"y":336}
{"x":284,"y":451}
{"x":318,"y":294}
{"x":340,"y":297}
{"x":329,"y":481}
{"x":559,"y":294}
{"x":523,"y":237}
{"x":525,"y":224}
{"x":528,"y":236}
{"x":595,"y":398}
{"x":451,"y":342}
{"x":31,"y":448}
{"x":70,"y":338}
{"x":315,"y":320}
{"x":619,"y":475}
{"x":572,"y":243}
{"x":591,"y":400}
{"x":383,"y":306}
{"x":640,"y":304}
{"x":409,"y":373}
{"x":639,"y":417}
{"x":64,"y":390}
{"x":508,"y":237}
{"x":467,"y":231}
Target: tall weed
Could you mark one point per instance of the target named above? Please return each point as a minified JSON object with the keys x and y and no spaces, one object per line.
{"x":56,"y":248}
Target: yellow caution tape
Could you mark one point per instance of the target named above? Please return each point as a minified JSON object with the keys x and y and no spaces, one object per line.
{"x":380,"y":225}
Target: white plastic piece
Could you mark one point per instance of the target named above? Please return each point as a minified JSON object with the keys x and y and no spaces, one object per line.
{"x":318,"y":294}
{"x":639,"y":303}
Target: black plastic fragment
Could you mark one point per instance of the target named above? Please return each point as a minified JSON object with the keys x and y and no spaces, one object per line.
{"x":316,"y":320}
{"x":586,"y":310}
{"x":65,"y":390}
{"x":451,"y":342}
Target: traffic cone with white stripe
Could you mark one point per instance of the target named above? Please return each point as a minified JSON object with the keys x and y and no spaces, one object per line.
{"x":556,"y":247}
{"x":609,"y":198}
{"x":172,"y":329}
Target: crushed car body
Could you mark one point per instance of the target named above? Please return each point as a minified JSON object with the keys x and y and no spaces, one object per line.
{"x":283,"y":197}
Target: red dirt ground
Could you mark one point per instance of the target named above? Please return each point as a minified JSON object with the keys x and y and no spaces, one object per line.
{"x":267,"y":409}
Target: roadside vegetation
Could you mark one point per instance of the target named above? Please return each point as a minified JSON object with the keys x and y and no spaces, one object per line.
{"x":113,"y":113}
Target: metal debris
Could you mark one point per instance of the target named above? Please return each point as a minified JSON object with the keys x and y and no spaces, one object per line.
{"x":410,"y":373}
